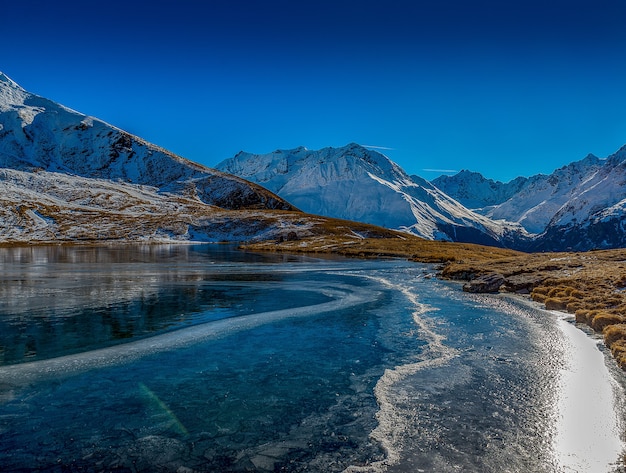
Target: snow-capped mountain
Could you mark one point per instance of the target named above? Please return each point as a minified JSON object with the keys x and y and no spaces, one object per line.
{"x":38,"y":134}
{"x":476,"y":192}
{"x":579,"y":206}
{"x":356,"y":183}
{"x":65,"y":176}
{"x":594,"y":216}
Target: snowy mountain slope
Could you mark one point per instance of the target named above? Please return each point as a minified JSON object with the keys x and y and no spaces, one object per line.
{"x":66,"y":177}
{"x":541,"y":197}
{"x":55,"y":207}
{"x":358,"y":184}
{"x":594,"y":216}
{"x":36,"y":133}
{"x":531,"y":202}
{"x":580,"y":206}
{"x":475,"y":191}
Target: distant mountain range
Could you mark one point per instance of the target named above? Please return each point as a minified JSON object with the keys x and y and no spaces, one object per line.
{"x":65,"y":176}
{"x":577,"y":207}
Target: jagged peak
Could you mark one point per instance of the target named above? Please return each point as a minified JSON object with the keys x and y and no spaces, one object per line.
{"x":580,"y":165}
{"x":468,"y":173}
{"x":618,"y":157}
{"x":464,"y":175}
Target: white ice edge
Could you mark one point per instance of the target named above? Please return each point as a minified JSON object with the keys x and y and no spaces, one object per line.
{"x":344,"y":297}
{"x":391,"y":425}
{"x":589,"y":430}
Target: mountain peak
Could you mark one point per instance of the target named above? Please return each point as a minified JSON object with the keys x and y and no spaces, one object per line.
{"x":618,"y":157}
{"x":356,"y":146}
{"x":356,"y":183}
{"x":467,"y":173}
{"x":11,"y":93}
{"x":39,"y":134}
{"x":6,"y":80}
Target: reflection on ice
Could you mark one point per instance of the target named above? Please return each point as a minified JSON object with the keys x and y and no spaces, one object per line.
{"x":342,"y":297}
{"x":82,"y":299}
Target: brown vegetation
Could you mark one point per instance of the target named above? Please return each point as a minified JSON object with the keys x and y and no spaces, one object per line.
{"x":589,"y":285}
{"x":368,"y":241}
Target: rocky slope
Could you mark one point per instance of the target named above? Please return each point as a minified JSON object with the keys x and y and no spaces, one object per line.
{"x":359,"y":184}
{"x":42,"y":206}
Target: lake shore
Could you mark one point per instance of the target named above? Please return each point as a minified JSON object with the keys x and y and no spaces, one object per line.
{"x":590,"y":285}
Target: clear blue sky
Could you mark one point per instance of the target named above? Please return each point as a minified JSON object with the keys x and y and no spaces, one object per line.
{"x":505,"y":88}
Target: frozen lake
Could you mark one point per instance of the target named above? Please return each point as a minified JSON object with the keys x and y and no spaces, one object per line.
{"x":203,"y":358}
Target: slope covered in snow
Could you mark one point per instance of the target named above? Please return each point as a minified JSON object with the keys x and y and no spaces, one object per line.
{"x":531,"y":202}
{"x":541,"y":196}
{"x":475,"y":191}
{"x":593,"y":216}
{"x":38,"y":134}
{"x":67,"y":177}
{"x":578,"y":207}
{"x":359,"y":184}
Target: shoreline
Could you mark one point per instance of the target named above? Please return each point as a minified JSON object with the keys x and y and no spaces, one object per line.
{"x":590,"y":285}
{"x":590,"y":378}
{"x":587,"y":381}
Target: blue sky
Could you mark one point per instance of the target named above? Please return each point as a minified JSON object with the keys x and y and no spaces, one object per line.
{"x":504,"y":88}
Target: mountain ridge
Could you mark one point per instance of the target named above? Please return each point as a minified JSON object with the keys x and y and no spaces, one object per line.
{"x":56,"y":159}
{"x":356,"y":183}
{"x":68,"y":177}
{"x":579,"y":206}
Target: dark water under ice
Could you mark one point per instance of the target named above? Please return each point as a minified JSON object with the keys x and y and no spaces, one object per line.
{"x":204,"y":358}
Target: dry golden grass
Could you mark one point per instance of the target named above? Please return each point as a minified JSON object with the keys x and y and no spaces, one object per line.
{"x":368,"y":241}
